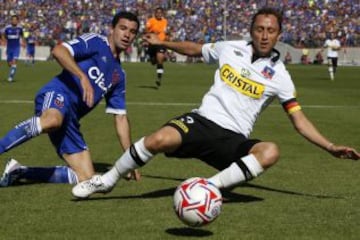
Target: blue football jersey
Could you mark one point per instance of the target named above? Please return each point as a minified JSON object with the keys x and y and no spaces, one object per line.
{"x":30,"y":41}
{"x":13,"y":36}
{"x":93,"y":55}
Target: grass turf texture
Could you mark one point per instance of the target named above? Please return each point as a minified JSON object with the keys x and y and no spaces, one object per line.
{"x":307,"y":195}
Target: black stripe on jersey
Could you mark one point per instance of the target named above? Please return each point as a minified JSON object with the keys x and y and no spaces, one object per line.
{"x":135,"y":156}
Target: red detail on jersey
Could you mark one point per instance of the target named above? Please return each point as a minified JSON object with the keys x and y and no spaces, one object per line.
{"x":115,"y":78}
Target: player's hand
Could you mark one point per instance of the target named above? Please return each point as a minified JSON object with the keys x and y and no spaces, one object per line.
{"x":151,"y":38}
{"x":344,"y":152}
{"x":88,"y":91}
{"x":133,"y":175}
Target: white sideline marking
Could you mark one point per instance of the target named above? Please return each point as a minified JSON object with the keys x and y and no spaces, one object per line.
{"x":179,"y":104}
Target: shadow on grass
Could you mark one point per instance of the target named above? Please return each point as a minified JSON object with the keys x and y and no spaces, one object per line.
{"x":148,"y":87}
{"x":102,"y":167}
{"x":250,"y":185}
{"x":188,"y":232}
{"x":229,"y":196}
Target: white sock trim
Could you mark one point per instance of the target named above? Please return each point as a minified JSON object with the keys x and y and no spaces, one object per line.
{"x":144,"y":154}
{"x":38,"y":125}
{"x":253,"y":165}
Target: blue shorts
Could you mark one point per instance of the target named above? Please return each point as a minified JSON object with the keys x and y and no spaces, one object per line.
{"x":68,"y":139}
{"x":12,"y":54}
{"x":30,"y":51}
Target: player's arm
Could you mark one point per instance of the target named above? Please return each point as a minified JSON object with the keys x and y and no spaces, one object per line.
{"x":304,"y":127}
{"x":67,"y":61}
{"x":185,"y":47}
{"x":3,"y":39}
{"x":336,"y":47}
{"x":122,"y":126}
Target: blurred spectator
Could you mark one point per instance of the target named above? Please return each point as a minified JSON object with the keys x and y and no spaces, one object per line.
{"x":288,"y":58}
{"x":318,"y":58}
{"x":305,"y":56}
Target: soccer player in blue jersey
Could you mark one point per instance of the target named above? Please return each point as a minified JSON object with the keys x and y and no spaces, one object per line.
{"x":30,"y":48}
{"x":12,"y":35}
{"x":91,"y":71}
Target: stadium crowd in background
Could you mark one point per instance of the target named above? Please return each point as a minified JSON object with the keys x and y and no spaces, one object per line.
{"x":306,"y":23}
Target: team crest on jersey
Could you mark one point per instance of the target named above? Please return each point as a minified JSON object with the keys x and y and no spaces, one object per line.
{"x":59,"y":101}
{"x":268,"y":72}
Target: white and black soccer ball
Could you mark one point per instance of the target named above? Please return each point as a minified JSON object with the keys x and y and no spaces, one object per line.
{"x":197,"y":202}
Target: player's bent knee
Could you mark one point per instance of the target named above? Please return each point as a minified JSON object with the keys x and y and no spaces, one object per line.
{"x":271,"y":154}
{"x":267,"y":153}
{"x":51,"y":120}
{"x":164,"y":140}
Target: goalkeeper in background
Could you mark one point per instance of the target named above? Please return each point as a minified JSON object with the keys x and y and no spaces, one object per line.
{"x":157,"y":25}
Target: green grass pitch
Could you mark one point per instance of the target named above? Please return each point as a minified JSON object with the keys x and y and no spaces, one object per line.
{"x":307,"y":195}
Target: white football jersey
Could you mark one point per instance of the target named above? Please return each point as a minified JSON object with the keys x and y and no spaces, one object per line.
{"x":242,"y":89}
{"x":329,"y":44}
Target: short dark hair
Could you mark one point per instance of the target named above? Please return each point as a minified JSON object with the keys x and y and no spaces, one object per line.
{"x":127,"y":15}
{"x":159,"y":8}
{"x":267,"y":11}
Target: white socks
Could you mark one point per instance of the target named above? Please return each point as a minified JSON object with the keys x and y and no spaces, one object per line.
{"x":331,"y":72}
{"x":136,"y":156}
{"x":236,"y":174}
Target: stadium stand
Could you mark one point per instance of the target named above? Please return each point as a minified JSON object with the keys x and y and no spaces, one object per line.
{"x":306,"y":22}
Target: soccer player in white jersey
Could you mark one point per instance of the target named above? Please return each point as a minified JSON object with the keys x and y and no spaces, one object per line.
{"x":91,"y":72}
{"x":249,"y":76}
{"x":333,"y":46}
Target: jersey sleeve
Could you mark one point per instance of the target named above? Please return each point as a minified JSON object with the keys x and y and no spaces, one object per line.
{"x":326,"y":44}
{"x":287,"y":94}
{"x":115,"y":100}
{"x":83,"y":46}
{"x":210,"y":52}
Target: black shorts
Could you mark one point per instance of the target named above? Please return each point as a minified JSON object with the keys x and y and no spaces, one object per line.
{"x":153,"y":49}
{"x":333,"y":61}
{"x":207,"y":141}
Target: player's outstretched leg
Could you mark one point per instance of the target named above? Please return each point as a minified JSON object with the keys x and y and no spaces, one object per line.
{"x":20,"y":133}
{"x":136,"y":156}
{"x":14,"y":172}
{"x":238,"y":172}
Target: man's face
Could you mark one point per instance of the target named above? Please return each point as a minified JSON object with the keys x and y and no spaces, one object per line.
{"x":158,"y":14}
{"x":14,"y":21}
{"x":124,"y":33}
{"x":265,"y":34}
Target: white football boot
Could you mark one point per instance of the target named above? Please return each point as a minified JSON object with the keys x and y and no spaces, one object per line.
{"x":88,"y":187}
{"x":10,"y":173}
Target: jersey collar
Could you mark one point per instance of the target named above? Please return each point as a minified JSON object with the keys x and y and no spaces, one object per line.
{"x":274,"y":55}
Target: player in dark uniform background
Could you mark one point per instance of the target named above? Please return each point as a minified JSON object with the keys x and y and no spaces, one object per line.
{"x":158,"y":25}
